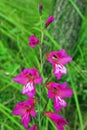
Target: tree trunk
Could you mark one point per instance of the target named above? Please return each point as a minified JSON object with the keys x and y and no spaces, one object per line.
{"x":67,"y":22}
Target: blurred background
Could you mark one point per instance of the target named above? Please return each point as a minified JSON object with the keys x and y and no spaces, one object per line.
{"x":18,"y":20}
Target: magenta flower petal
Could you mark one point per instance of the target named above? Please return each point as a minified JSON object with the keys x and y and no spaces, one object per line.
{"x":33,"y":113}
{"x":59,"y":103}
{"x":59,"y":70}
{"x":58,"y":120}
{"x":49,"y":20}
{"x":34,"y":127}
{"x":64,"y":58}
{"x":19,"y":109}
{"x":66,"y":93}
{"x":25,"y":120}
{"x":29,"y":89}
{"x":20,"y":79}
{"x":49,"y":86}
{"x":38,"y":80}
{"x":33,"y":41}
{"x":50,"y":94}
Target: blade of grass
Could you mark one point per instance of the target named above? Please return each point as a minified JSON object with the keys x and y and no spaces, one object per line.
{"x":76,"y":98}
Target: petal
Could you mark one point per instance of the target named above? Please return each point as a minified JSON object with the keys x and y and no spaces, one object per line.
{"x":29,"y":89}
{"x":30,"y":102}
{"x":60,"y":127}
{"x":65,"y":93}
{"x":38,"y":80}
{"x":65,"y":60}
{"x":63,"y":85}
{"x":20,"y":79}
{"x":57,"y":74}
{"x":32,"y":44}
{"x":50,"y":57}
{"x":33,"y":113}
{"x":50,"y":94}
{"x":62,"y":53}
{"x":19,"y":109}
{"x":34,"y":127}
{"x":59,"y":103}
{"x":59,"y":70}
{"x":63,"y":57}
{"x":25,"y":120}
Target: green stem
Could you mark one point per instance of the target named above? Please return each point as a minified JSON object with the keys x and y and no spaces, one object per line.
{"x":41,"y":70}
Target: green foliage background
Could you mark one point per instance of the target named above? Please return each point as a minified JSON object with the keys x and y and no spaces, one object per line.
{"x":18,"y":20}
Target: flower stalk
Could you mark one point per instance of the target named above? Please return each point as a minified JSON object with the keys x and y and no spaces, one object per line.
{"x":30,"y":77}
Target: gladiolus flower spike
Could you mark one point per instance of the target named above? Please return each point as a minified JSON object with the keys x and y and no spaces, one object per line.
{"x":56,"y":91}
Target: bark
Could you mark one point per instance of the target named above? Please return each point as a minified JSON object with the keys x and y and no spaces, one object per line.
{"x":67,"y":22}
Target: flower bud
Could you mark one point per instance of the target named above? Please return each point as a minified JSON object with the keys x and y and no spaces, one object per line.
{"x":49,"y":20}
{"x":40,"y":8}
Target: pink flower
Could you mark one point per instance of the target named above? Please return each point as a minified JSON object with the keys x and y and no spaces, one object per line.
{"x":33,"y":41}
{"x":28,"y":77}
{"x":25,"y":110}
{"x":49,"y":20}
{"x":58,"y":59}
{"x":58,"y":92}
{"x":34,"y":127}
{"x":58,"y":120}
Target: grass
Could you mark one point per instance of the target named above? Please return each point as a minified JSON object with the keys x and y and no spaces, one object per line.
{"x":18,"y":20}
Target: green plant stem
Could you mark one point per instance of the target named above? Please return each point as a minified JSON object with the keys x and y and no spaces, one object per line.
{"x":41,"y":70}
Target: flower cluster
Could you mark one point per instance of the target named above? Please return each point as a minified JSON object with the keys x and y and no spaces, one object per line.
{"x":56,"y":91}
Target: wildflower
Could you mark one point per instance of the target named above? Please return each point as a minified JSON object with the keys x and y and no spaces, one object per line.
{"x":49,"y":20}
{"x":28,"y":77}
{"x":58,"y":92}
{"x":58,"y":59}
{"x":33,"y":41}
{"x":25,"y":110}
{"x":58,"y":120}
{"x":40,"y":8}
{"x":34,"y":127}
